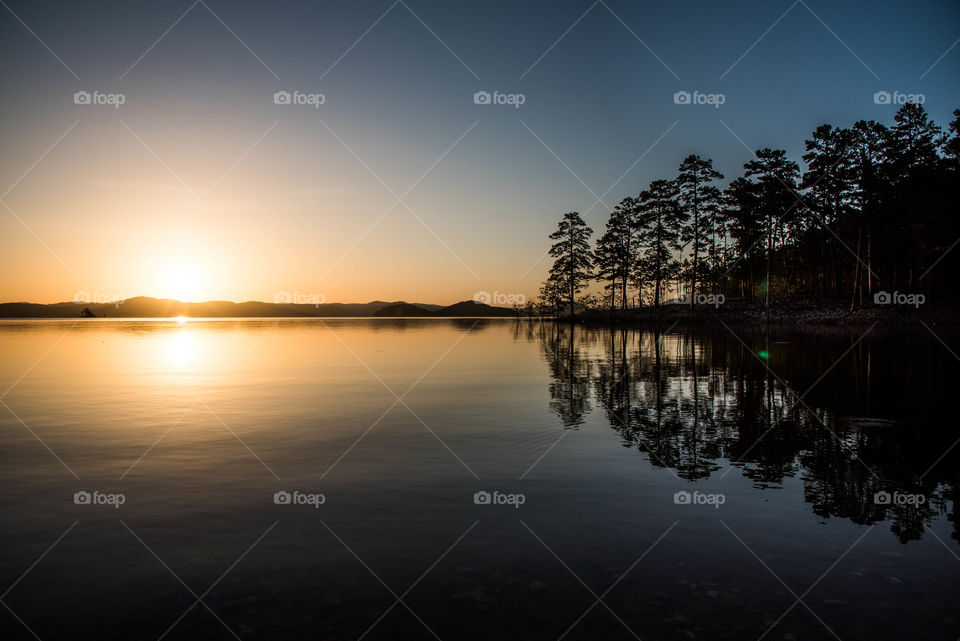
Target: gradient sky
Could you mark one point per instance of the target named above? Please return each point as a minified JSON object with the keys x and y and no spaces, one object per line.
{"x":296,"y":198}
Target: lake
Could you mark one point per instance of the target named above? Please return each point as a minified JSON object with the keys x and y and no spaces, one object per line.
{"x":465,"y":479}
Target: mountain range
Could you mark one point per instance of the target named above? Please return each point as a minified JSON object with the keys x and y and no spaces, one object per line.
{"x":147,"y":307}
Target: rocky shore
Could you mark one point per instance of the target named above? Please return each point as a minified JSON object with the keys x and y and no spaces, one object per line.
{"x":785,"y":311}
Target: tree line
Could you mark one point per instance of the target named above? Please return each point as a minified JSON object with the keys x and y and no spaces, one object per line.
{"x":876,"y":209}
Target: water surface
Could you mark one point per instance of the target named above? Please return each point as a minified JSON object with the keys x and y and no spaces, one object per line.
{"x":787,"y":438}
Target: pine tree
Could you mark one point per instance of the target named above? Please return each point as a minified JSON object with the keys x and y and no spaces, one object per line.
{"x":777,"y":178}
{"x":608,"y":255}
{"x":659,"y":220}
{"x":573,"y":264}
{"x":745,"y":222}
{"x":699,"y":200}
{"x":829,"y":181}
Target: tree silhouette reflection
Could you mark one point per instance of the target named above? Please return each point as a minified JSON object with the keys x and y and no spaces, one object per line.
{"x":849,"y":416}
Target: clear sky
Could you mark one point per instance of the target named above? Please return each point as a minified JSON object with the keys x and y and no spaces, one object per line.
{"x":200,"y":187}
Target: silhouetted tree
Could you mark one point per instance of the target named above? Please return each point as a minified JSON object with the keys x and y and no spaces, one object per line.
{"x":699,"y":200}
{"x":830,"y":192}
{"x":659,"y":218}
{"x":776,"y":176}
{"x":608,"y":255}
{"x":952,"y":147}
{"x":868,"y":141}
{"x":616,"y":253}
{"x":745,"y":222}
{"x":573,"y":264}
{"x":551,"y":295}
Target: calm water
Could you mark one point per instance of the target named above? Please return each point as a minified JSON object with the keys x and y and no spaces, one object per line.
{"x":195,"y":426}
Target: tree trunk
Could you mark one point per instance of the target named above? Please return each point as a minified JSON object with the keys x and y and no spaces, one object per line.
{"x":696,"y":245}
{"x":856,"y":273}
{"x":766,"y":301}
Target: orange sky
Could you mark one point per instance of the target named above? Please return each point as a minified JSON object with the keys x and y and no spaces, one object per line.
{"x":108,"y":217}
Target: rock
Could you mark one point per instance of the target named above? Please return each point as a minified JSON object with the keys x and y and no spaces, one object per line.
{"x":892,"y":580}
{"x":712,"y":594}
{"x":537,"y":586}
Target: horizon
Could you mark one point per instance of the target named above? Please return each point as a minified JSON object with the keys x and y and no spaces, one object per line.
{"x":94,"y":301}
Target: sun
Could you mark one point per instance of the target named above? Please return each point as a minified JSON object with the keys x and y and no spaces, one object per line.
{"x":180,"y":279}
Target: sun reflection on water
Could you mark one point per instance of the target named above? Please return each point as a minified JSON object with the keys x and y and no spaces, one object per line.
{"x":182,"y":349}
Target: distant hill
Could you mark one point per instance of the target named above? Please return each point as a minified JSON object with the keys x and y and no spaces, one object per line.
{"x":402,"y":310}
{"x":147,"y":307}
{"x":466,"y":308}
{"x":472,"y":308}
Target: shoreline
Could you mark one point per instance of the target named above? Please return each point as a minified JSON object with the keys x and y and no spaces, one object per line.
{"x":799,"y":313}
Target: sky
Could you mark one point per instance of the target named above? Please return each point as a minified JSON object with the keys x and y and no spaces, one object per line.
{"x":146,"y":150}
